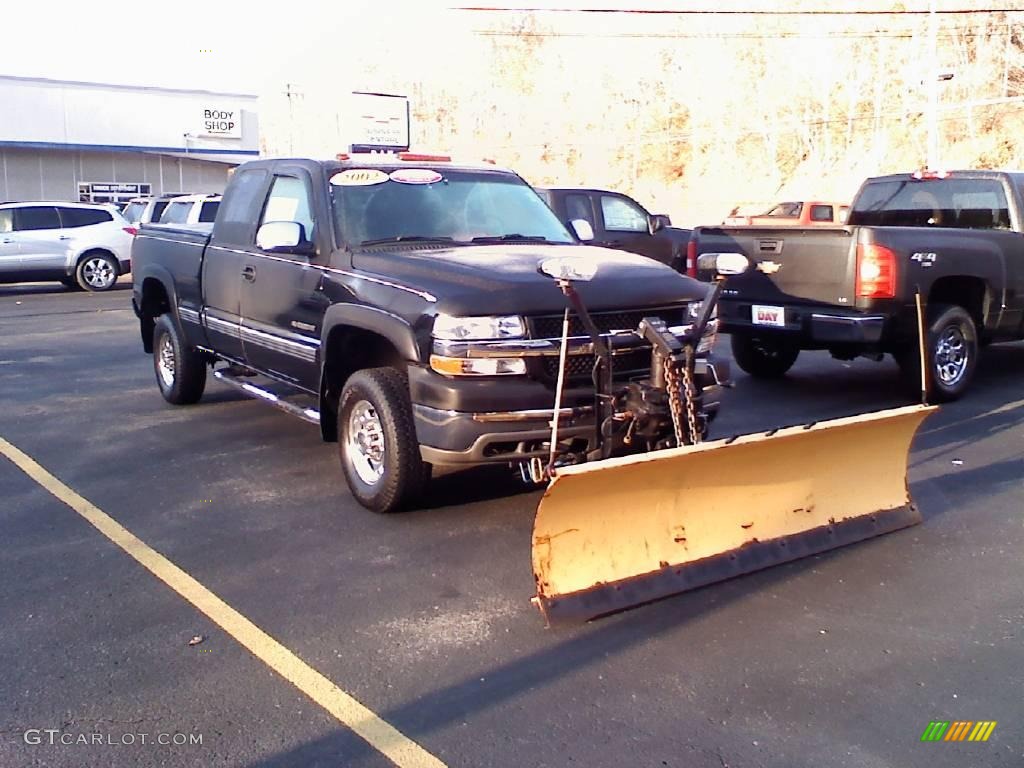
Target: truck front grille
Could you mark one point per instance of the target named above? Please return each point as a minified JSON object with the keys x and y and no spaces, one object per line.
{"x":550,"y":326}
{"x":578,"y":368}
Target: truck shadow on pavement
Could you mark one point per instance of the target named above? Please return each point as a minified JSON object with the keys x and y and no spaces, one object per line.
{"x":18,"y":290}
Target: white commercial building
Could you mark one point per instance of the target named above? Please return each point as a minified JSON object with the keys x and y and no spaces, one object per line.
{"x":63,"y":140}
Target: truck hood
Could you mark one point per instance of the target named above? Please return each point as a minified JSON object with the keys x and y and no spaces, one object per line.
{"x":505,"y":279}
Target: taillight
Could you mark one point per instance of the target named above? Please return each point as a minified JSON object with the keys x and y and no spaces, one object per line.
{"x":876,"y":272}
{"x":691,"y":258}
{"x":130,"y":230}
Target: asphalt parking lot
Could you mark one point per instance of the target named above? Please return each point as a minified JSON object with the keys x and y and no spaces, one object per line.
{"x":424,"y":617}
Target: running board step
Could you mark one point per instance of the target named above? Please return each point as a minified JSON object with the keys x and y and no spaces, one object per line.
{"x":306,"y":414}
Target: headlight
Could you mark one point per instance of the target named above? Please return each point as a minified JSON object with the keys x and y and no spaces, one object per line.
{"x":694,"y":308}
{"x":452,"y":328}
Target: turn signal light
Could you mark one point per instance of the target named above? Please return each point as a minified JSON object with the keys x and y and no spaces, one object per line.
{"x":483,"y":366}
{"x":876,"y":272}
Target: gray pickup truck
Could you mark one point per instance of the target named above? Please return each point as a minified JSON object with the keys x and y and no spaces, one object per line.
{"x":955,"y":237}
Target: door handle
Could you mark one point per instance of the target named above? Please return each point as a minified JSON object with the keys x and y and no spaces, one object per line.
{"x":64,"y":237}
{"x":8,"y":240}
{"x":249,"y":273}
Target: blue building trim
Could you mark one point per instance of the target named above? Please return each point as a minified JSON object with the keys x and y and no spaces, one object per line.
{"x":125,"y":148}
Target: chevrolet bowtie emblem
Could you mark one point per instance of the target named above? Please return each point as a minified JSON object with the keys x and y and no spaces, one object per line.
{"x":769,"y":267}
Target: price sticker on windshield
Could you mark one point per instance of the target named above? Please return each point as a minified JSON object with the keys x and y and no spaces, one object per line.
{"x":359,"y":177}
{"x":415,"y":176}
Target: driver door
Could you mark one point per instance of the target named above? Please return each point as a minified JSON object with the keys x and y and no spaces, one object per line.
{"x":282,"y":306}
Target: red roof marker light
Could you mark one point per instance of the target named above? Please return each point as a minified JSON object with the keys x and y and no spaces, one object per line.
{"x":416,"y":157}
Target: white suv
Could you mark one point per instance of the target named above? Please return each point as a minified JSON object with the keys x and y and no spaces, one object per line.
{"x":146,"y":210}
{"x":73,"y":243}
{"x":191,"y":209}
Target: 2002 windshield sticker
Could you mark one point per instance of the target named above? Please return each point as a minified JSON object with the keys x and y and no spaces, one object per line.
{"x":365,"y":177}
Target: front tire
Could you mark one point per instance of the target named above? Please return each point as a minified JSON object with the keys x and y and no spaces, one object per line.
{"x":377,"y":444}
{"x":180,"y":369}
{"x":97,"y":272}
{"x":764,"y":357}
{"x":953,"y":347}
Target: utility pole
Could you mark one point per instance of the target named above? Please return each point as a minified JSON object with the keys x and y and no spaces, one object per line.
{"x":932,"y":79}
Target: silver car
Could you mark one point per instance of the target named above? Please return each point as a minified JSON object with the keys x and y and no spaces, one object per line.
{"x":77,"y":244}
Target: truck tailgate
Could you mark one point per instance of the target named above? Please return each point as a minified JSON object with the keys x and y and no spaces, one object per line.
{"x":791,"y":266}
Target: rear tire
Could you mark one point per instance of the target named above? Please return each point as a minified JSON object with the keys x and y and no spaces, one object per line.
{"x":764,"y":357}
{"x":377,"y":444}
{"x":953,"y":347}
{"x":180,"y":369}
{"x":97,"y":272}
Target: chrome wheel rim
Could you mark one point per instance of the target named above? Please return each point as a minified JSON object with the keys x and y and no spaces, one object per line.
{"x":165,"y":362}
{"x":951,"y":356}
{"x":365,"y":442}
{"x":98,"y":273}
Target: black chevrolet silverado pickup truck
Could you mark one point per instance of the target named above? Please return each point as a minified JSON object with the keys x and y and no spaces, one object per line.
{"x":955,"y":237}
{"x":396,"y":301}
{"x":618,"y":221}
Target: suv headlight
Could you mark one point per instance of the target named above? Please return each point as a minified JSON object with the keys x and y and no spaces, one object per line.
{"x":450,"y":328}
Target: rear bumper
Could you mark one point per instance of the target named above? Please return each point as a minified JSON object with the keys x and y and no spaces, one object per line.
{"x":814,"y":326}
{"x":513,"y":427}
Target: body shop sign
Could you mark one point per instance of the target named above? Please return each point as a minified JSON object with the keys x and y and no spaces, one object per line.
{"x":220,"y":121}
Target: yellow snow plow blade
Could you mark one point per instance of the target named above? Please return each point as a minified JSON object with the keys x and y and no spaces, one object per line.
{"x":625,"y":531}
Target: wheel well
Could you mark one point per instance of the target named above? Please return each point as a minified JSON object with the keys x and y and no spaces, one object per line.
{"x":155,"y":302}
{"x":347,"y":350}
{"x":971,"y":293}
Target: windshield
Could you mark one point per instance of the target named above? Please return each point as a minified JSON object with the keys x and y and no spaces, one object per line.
{"x":373,"y":206}
{"x":133,"y":211}
{"x":954,"y":202}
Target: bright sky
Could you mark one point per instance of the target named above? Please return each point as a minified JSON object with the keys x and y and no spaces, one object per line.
{"x":216,"y":44}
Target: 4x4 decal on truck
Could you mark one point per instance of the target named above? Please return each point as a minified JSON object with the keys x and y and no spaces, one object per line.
{"x":925,"y":259}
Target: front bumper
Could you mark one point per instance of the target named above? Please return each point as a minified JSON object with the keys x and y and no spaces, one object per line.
{"x":509,"y":420}
{"x":814,"y":326}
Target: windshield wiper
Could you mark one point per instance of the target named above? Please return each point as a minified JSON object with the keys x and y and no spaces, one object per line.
{"x":407,"y":239}
{"x":509,"y":237}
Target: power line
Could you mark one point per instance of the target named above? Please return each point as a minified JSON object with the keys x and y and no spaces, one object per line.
{"x":689,"y":12}
{"x":946,"y":34}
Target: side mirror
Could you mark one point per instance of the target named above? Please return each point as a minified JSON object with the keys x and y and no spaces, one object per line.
{"x":584,"y":232}
{"x":659,"y":221}
{"x":284,"y":237}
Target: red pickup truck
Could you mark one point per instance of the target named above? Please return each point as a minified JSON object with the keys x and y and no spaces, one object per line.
{"x":794,"y":214}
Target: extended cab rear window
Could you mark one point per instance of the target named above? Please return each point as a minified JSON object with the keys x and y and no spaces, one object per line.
{"x":962,"y":203}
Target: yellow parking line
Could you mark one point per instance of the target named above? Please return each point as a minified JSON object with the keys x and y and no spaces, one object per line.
{"x":385,"y":738}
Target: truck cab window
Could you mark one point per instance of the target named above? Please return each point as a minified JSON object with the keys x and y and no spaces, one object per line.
{"x":622,"y":216}
{"x":289,"y":201}
{"x":821,"y":213}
